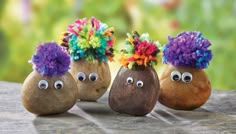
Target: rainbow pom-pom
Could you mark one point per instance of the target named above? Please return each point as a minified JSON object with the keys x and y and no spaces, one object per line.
{"x":89,"y":39}
{"x":139,"y":51}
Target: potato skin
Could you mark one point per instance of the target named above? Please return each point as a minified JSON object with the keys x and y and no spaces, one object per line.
{"x":91,"y":90}
{"x":48,"y":101}
{"x":184,"y":96}
{"x":127,"y":98}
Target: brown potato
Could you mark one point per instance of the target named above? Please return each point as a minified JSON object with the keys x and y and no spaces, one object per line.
{"x":131,"y":99}
{"x":51,"y":100}
{"x":91,"y":90}
{"x":180,"y":95}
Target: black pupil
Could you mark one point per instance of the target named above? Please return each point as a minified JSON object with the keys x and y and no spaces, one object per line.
{"x":129,"y":80}
{"x":81,"y":78}
{"x":175,"y":77}
{"x":139,"y":84}
{"x":93,"y":78}
{"x":43,"y":85}
{"x":187,"y":78}
{"x":59,"y":86}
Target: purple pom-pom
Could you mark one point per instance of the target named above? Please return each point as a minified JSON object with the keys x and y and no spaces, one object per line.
{"x":50,"y":60}
{"x":188,"y":49}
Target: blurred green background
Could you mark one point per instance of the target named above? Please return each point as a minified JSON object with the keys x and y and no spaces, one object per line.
{"x":26,"y":23}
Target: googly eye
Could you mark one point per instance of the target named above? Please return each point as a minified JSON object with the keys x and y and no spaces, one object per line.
{"x":175,"y":75}
{"x":58,"y":84}
{"x":81,"y":76}
{"x":129,"y":80}
{"x":93,"y":76}
{"x":43,"y":84}
{"x":187,"y":77}
{"x":139,"y":84}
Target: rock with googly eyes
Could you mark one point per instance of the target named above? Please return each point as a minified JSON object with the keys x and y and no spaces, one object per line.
{"x":92,"y":78}
{"x":184,"y":84}
{"x":90,"y":45}
{"x":136,"y":86}
{"x":50,"y":88}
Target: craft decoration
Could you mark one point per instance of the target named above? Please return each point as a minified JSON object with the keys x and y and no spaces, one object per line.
{"x":139,"y":51}
{"x":50,"y":60}
{"x":184,"y":84}
{"x":188,"y":49}
{"x":50,"y":88}
{"x":90,"y":45}
{"x":90,"y":40}
{"x":135,"y":88}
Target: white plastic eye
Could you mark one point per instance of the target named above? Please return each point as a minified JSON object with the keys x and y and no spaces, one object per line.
{"x":187,"y":77}
{"x":93,"y":77}
{"x":129,"y":80}
{"x":81,"y":76}
{"x":175,"y":75}
{"x":58,"y":84}
{"x":43,"y":84}
{"x":139,"y":84}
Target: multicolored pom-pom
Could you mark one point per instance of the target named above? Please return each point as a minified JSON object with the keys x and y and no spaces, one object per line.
{"x":188,"y":49}
{"x":50,"y":60}
{"x":89,"y":39}
{"x":139,"y":51}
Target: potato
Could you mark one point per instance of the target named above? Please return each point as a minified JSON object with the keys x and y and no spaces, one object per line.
{"x":134,"y":92}
{"x":184,"y":94}
{"x":51,"y":100}
{"x":91,"y":89}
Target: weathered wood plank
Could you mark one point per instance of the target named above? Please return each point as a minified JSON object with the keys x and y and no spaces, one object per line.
{"x":217,"y":116}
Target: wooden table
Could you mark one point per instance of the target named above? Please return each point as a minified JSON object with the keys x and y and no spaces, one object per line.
{"x":217,"y":116}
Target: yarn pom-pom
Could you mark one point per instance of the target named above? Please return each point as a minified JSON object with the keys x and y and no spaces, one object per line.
{"x":139,"y":51}
{"x":89,"y":39}
{"x":188,"y":49}
{"x":50,"y":60}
